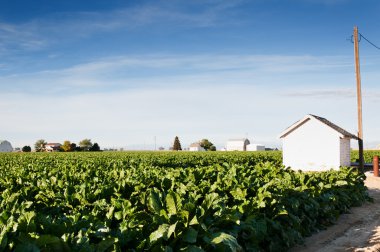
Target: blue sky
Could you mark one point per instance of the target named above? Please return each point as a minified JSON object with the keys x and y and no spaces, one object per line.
{"x":124,"y":73}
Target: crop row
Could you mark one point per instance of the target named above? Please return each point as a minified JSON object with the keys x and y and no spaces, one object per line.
{"x":368,"y":155}
{"x":165,"y":202}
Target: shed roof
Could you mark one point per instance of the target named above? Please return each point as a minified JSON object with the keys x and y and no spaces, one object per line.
{"x":338,"y":129}
{"x":53,"y":144}
{"x":195,"y":145}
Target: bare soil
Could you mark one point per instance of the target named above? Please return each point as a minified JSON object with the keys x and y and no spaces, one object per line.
{"x":356,"y":231}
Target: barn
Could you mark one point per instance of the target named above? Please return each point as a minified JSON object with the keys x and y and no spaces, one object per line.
{"x":5,"y":146}
{"x":237,"y":144}
{"x":316,"y":144}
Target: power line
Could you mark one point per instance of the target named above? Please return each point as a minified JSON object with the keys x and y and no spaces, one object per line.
{"x":360,"y":38}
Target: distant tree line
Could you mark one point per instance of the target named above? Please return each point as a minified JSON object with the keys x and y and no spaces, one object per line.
{"x":67,"y":146}
{"x":204,"y":143}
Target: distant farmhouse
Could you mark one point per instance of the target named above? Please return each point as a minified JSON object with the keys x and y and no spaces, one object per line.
{"x":237,"y":144}
{"x":52,"y":147}
{"x":5,"y":146}
{"x":316,"y":144}
{"x":196,"y":147}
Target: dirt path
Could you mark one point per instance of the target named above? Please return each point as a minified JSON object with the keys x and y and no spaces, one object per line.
{"x":357,"y":231}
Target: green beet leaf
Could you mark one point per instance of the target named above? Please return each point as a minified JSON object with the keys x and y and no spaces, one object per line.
{"x":192,"y":248}
{"x":171,"y":204}
{"x":160,"y":233}
{"x":105,"y":245}
{"x":171,"y":230}
{"x":225,"y":242}
{"x":154,"y":202}
{"x":190,"y":235}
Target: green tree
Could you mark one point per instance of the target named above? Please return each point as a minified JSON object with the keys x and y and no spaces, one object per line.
{"x":73,"y":146}
{"x":85,"y":144}
{"x":66,"y":146}
{"x":26,"y":148}
{"x":177,"y":144}
{"x":207,"y":145}
{"x":95,"y":147}
{"x":40,"y":145}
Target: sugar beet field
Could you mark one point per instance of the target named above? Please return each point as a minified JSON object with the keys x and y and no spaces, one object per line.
{"x":166,"y":201}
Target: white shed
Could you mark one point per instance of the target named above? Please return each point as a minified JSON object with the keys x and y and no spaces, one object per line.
{"x":237,"y":144}
{"x":255,"y":147}
{"x":196,"y":147}
{"x":316,"y":144}
{"x":5,"y":146}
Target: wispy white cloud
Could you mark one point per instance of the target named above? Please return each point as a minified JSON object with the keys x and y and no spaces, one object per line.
{"x":336,"y":93}
{"x":323,"y":93}
{"x":125,"y":72}
{"x":41,"y":32}
{"x":24,"y":37}
{"x":326,"y":2}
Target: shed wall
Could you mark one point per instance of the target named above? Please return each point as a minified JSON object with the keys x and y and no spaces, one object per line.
{"x":345,"y":152}
{"x":312,"y":146}
{"x":198,"y":148}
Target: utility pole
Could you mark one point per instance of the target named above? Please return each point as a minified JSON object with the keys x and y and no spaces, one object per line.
{"x":359,"y":97}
